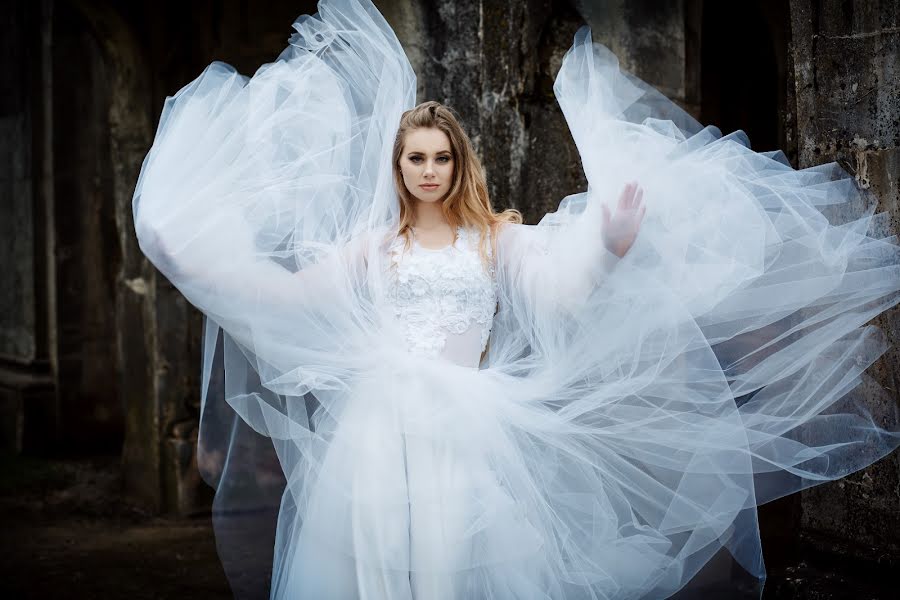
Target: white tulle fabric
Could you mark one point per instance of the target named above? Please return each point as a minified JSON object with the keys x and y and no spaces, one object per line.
{"x":382,"y":420}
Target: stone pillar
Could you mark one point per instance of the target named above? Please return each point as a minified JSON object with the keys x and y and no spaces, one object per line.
{"x":28,"y":401}
{"x":155,"y":351}
{"x":847,"y":68}
{"x":86,"y":253}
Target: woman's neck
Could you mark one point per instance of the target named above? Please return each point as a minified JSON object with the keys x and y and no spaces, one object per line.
{"x":429,"y":216}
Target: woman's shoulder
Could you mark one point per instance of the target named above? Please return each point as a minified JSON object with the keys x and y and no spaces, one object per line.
{"x":503,"y":227}
{"x":506,"y":231}
{"x":502,"y":234}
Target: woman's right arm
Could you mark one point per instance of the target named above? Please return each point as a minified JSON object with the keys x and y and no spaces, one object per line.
{"x":269,"y":308}
{"x":285,"y":318}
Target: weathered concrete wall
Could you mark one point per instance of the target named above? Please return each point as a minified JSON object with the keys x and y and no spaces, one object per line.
{"x":847,"y":70}
{"x":648,"y":37}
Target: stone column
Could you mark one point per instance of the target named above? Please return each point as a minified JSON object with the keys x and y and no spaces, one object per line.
{"x":28,"y":401}
{"x":155,"y":344}
{"x":847,"y":69}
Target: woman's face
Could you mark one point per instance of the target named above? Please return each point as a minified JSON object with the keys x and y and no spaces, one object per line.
{"x":426,"y":164}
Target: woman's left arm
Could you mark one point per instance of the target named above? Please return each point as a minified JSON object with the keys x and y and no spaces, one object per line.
{"x":560,"y":261}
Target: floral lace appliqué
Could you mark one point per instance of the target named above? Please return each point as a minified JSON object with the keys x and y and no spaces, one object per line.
{"x":434,"y":292}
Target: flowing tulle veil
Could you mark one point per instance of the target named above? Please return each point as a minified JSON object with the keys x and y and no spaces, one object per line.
{"x":634,"y":417}
{"x":289,"y":165}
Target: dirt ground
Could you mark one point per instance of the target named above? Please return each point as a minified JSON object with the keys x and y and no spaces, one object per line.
{"x":67,"y":533}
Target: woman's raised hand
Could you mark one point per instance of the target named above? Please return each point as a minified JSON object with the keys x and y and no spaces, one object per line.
{"x":621,"y":228}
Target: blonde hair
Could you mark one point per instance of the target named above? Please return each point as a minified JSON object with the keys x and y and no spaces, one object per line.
{"x":467,"y":203}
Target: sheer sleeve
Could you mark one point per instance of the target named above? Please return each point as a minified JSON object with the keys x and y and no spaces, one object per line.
{"x":279,"y":306}
{"x":217,"y":263}
{"x":556,"y":264}
{"x":224,"y":263}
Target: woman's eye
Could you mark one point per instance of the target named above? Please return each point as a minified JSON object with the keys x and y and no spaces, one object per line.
{"x":415,"y":159}
{"x":443,"y":159}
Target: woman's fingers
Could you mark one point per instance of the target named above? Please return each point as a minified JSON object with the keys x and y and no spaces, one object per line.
{"x":630,"y":199}
{"x":633,"y":193}
{"x":626,"y":199}
{"x":623,"y":198}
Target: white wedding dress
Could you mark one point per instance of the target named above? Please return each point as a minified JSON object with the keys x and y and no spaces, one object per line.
{"x":519,"y":417}
{"x":420,"y":511}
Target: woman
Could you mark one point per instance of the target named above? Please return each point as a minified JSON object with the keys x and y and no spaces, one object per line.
{"x":467,"y":407}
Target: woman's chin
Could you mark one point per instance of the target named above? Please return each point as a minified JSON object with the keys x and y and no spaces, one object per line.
{"x":428,"y":198}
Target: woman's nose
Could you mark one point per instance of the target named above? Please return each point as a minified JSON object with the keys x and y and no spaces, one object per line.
{"x":429,"y":168}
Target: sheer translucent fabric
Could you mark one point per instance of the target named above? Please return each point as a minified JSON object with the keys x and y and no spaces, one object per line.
{"x":626,"y":415}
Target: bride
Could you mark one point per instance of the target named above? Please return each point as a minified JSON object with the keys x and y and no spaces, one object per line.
{"x":463,"y":406}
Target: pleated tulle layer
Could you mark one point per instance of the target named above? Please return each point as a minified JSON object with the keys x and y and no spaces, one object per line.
{"x":629,"y":414}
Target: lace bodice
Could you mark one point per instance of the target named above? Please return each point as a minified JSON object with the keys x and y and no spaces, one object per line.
{"x":444,"y":299}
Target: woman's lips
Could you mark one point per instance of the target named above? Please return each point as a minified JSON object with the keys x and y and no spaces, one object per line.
{"x":429,"y":186}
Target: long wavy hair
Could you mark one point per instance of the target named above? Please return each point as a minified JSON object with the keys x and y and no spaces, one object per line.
{"x":467,"y":203}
